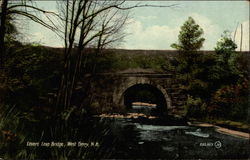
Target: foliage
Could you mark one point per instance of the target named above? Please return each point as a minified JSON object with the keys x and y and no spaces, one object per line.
{"x":9,"y":12}
{"x":229,"y":81}
{"x":111,"y":61}
{"x":227,"y":70}
{"x":217,"y":83}
{"x":33,"y":71}
{"x":195,"y":107}
{"x":11,"y":127}
{"x":11,"y":30}
{"x":231,"y":101}
{"x":189,"y":64}
{"x":225,"y":45}
{"x":189,"y":37}
{"x":16,"y":129}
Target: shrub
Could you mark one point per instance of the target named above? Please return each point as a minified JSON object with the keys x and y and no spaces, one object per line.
{"x":231,"y":101}
{"x":195,"y":107}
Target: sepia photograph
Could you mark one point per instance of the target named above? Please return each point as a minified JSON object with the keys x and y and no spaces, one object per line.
{"x":124,"y":79}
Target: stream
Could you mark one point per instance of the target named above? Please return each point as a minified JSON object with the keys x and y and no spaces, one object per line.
{"x":130,"y":138}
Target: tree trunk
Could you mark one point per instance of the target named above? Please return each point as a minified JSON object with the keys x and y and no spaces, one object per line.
{"x":2,"y":31}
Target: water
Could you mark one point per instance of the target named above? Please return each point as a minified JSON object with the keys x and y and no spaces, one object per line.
{"x":130,"y":138}
{"x":147,"y":110}
{"x":183,"y":141}
{"x":159,"y":141}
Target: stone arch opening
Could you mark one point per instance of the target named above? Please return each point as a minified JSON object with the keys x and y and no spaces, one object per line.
{"x":147,"y":95}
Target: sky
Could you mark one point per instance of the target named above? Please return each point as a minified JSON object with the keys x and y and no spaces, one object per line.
{"x":158,"y":28}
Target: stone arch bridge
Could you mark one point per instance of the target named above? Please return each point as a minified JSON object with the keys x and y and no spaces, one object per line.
{"x":114,"y":92}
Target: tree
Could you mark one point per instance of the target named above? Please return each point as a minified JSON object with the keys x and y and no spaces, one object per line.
{"x":226,"y":69}
{"x":21,"y":8}
{"x":225,"y":47}
{"x":11,"y":10}
{"x":229,"y":81}
{"x":189,"y":37}
{"x":3,"y":30}
{"x":191,"y":68}
{"x":85,"y":23}
{"x":189,"y":41}
{"x":188,"y":61}
{"x":88,"y":23}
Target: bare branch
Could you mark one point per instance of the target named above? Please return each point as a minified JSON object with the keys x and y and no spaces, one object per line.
{"x":32,"y":7}
{"x":127,"y":8}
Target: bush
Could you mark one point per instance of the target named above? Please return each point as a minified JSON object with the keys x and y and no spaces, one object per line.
{"x":231,"y":101}
{"x":111,"y":61}
{"x":195,"y":108}
{"x":33,"y":71}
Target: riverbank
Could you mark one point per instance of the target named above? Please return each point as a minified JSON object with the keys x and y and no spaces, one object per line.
{"x":238,"y":132}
